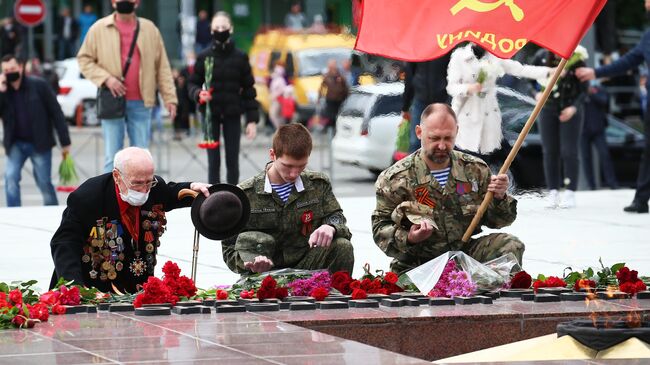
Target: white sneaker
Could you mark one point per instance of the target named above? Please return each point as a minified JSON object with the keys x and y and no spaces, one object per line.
{"x":568,"y":200}
{"x":553,"y":199}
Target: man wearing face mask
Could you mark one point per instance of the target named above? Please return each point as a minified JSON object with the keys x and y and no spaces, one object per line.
{"x":29,"y":113}
{"x":230,"y":94}
{"x":632,"y":59}
{"x":103,"y":57}
{"x":110,"y":230}
{"x":426,"y":201}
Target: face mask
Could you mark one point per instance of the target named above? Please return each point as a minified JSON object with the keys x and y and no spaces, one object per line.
{"x":222,"y":36}
{"x":12,"y":76}
{"x":478,"y":51}
{"x":124,"y":7}
{"x":135,"y":198}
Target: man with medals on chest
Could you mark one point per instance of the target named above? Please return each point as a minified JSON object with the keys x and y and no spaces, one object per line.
{"x":295,"y":221}
{"x":110,"y":231}
{"x":427,"y":200}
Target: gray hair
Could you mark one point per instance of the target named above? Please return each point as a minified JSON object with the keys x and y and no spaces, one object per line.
{"x":122,"y":157}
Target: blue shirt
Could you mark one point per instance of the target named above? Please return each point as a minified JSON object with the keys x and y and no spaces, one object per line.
{"x":85,"y":20}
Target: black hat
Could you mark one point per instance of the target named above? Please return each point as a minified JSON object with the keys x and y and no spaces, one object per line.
{"x":222,"y":214}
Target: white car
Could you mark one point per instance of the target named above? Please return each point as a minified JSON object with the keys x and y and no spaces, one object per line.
{"x":366,"y":127}
{"x":77,"y":95}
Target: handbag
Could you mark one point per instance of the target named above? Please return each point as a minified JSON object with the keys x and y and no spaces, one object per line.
{"x":114,"y":107}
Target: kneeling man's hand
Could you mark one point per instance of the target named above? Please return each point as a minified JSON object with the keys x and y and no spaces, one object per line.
{"x":420,"y":232}
{"x":322,"y":237}
{"x":261,"y":264}
{"x":499,"y":185}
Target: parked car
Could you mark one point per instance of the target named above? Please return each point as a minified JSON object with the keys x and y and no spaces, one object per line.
{"x":304,"y":56}
{"x":625,"y":143}
{"x":367,"y":130}
{"x":77,"y":96}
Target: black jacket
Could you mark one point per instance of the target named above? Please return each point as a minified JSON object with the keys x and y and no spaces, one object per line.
{"x":426,"y":82}
{"x":570,"y":91}
{"x":94,"y":204}
{"x":44,"y":112}
{"x":232,"y":82}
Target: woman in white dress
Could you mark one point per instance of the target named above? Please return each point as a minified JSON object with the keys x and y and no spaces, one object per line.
{"x":471,"y":82}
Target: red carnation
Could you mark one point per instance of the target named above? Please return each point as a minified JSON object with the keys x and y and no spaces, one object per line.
{"x":16,"y":296}
{"x":58,"y":309}
{"x":319,"y":293}
{"x":39,"y":311}
{"x":281,"y":293}
{"x":355,"y":284}
{"x":19,"y":320}
{"x":171,"y":269}
{"x":341,"y":281}
{"x":625,"y":275}
{"x":366,"y":284}
{"x":186,"y":287}
{"x":269,"y":282}
{"x":391,"y":278}
{"x":521,"y":280}
{"x":69,"y":296}
{"x":265,"y":293}
{"x":359,"y":294}
{"x":222,"y":294}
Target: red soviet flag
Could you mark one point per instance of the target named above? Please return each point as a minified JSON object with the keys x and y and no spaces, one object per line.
{"x":419,"y":30}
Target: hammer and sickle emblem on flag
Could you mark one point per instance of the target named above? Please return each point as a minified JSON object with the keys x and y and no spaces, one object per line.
{"x":484,"y":7}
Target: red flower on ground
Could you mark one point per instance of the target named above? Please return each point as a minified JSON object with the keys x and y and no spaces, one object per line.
{"x":222,"y":294}
{"x":550,"y":282}
{"x":39,"y":311}
{"x":16,"y":296}
{"x":69,"y":296}
{"x":391,"y":278}
{"x":625,"y":275}
{"x":58,"y":309}
{"x":49,"y":298}
{"x":341,"y":281}
{"x":269,"y":282}
{"x":281,"y":293}
{"x":521,"y":280}
{"x":319,"y":293}
{"x":359,"y":294}
{"x":171,"y":269}
{"x":355,"y":284}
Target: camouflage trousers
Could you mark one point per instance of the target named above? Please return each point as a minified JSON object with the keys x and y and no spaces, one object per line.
{"x":339,"y":256}
{"x":482,"y":249}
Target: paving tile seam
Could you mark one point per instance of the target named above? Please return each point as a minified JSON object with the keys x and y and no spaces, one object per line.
{"x":192,"y":336}
{"x":216,"y":359}
{"x":79,"y":348}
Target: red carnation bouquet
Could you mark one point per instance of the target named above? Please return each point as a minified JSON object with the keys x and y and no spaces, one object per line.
{"x":171,"y":289}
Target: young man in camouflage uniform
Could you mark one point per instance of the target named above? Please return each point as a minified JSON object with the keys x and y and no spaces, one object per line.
{"x":295,"y":222}
{"x":409,"y":184}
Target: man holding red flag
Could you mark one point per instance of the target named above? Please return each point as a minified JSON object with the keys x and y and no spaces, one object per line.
{"x":631,"y":60}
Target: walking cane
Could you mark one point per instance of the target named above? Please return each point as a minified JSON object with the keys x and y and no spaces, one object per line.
{"x":195,"y":250}
{"x":515,"y":148}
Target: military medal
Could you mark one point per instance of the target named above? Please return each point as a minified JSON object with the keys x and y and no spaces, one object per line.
{"x":137,"y":266}
{"x":112,"y":275}
{"x":103,"y":277}
{"x":119,"y":266}
{"x":463,"y":188}
{"x":474,"y":186}
{"x":146,"y":225}
{"x":106,"y":265}
{"x":93,"y":274}
{"x":306,"y":219}
{"x":85,"y":259}
{"x":149,"y":248}
{"x":120,"y":256}
{"x":112,"y":244}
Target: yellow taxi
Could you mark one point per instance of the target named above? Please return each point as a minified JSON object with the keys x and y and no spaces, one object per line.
{"x":304,"y":56}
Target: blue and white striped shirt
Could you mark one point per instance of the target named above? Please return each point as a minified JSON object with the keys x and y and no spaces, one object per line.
{"x":441,"y":175}
{"x":283,"y":190}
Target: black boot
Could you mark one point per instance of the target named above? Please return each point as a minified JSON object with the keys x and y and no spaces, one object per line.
{"x":636,"y":207}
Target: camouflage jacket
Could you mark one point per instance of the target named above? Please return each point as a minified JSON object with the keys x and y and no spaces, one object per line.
{"x":285,"y":222}
{"x":453,"y":206}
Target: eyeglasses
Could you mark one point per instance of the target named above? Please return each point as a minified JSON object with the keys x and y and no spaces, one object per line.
{"x":138,"y":186}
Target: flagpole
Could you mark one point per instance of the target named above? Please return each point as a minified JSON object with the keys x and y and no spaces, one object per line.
{"x":515,"y":149}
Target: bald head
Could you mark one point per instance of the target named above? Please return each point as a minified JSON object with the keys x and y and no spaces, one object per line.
{"x":437,"y":131}
{"x":134,"y":160}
